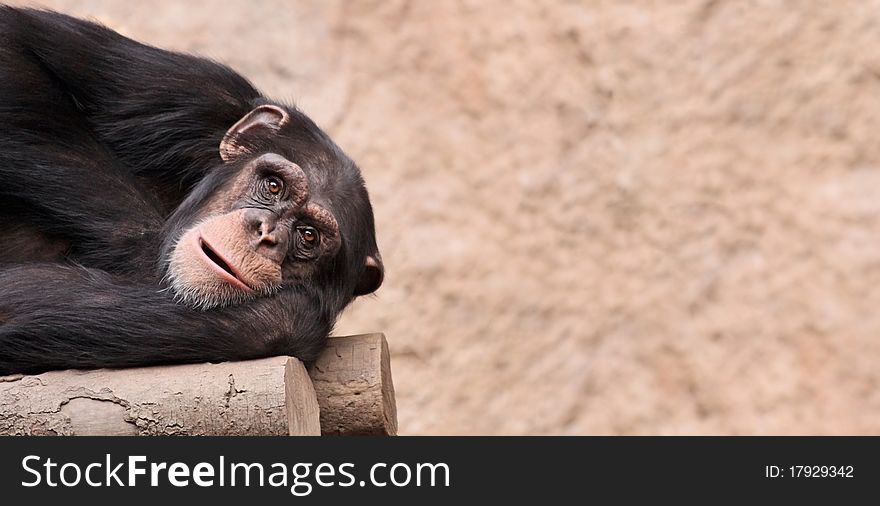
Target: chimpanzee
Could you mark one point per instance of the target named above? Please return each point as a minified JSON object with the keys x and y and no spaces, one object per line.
{"x":156,"y":208}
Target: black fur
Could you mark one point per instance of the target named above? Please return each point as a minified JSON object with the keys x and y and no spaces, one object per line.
{"x":107,"y":147}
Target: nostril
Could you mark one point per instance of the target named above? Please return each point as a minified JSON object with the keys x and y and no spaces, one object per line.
{"x":265,"y":231}
{"x":257,"y":227}
{"x":267,"y":236}
{"x":269,"y":239}
{"x":272,"y":246}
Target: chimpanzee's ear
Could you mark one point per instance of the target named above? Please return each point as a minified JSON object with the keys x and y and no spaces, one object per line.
{"x":371,"y":279}
{"x":265,"y":118}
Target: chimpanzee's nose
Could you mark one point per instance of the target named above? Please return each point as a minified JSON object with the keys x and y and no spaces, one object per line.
{"x":266,"y":237}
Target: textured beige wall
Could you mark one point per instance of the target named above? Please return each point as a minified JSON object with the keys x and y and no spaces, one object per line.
{"x":597,"y":217}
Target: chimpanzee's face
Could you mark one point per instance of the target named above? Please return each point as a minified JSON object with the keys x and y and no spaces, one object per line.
{"x":262,"y":222}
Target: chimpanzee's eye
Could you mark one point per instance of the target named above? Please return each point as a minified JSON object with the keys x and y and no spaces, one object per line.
{"x":309,"y":236}
{"x":273,"y":185}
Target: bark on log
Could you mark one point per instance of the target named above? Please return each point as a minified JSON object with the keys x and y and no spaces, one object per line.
{"x":353,"y":381}
{"x":271,"y":396}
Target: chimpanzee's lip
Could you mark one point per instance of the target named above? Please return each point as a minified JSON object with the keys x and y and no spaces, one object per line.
{"x":225,"y":269}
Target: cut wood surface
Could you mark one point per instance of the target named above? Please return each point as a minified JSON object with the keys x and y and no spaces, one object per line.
{"x":353,"y":381}
{"x":352,"y":390}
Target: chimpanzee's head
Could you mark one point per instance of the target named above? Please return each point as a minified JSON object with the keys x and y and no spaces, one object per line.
{"x":285,"y":207}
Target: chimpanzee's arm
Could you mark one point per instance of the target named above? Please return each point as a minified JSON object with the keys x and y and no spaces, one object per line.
{"x":63,"y":182}
{"x":161,"y":113}
{"x":55,"y":171}
{"x":55,"y":317}
{"x":86,"y":116}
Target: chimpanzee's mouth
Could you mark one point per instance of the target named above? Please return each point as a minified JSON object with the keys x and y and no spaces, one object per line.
{"x":214,"y":257}
{"x":223,"y":268}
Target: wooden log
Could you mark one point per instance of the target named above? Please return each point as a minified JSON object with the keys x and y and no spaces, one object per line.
{"x":355,"y":392}
{"x":271,"y":396}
